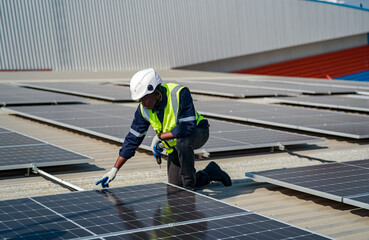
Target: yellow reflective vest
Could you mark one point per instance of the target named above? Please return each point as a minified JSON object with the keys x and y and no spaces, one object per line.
{"x":170,"y":119}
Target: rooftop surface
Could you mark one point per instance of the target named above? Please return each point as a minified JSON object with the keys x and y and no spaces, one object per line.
{"x":326,"y":217}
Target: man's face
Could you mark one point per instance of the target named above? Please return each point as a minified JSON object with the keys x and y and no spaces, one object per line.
{"x":149,"y":101}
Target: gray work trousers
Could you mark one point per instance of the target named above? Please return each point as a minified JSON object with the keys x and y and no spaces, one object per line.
{"x":181,"y":162}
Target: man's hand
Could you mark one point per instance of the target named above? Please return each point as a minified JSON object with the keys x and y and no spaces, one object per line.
{"x":108,"y":177}
{"x":156,"y":150}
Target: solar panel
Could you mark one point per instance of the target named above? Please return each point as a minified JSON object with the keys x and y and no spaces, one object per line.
{"x":113,"y":121}
{"x":12,"y":96}
{"x":91,"y":90}
{"x":20,"y":151}
{"x":346,"y":182}
{"x":320,"y":121}
{"x":347,"y":102}
{"x":140,"y":212}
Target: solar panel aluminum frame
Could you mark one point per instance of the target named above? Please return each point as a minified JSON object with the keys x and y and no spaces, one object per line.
{"x":353,"y":202}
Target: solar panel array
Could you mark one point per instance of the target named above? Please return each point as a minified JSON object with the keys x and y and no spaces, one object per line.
{"x":319,"y":121}
{"x":152,"y":211}
{"x":91,"y":90}
{"x":113,"y":122}
{"x":346,"y":182}
{"x":11,"y":95}
{"x":346,"y":102}
{"x":20,"y":151}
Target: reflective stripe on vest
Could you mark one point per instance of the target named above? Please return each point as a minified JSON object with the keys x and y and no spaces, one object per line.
{"x":170,"y":119}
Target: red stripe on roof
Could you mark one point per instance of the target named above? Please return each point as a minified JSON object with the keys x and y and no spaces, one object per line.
{"x":333,"y":64}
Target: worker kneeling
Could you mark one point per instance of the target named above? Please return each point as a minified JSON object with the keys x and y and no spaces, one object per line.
{"x":179,"y":129}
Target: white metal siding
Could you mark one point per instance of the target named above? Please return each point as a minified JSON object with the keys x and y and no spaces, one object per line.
{"x":128,"y":34}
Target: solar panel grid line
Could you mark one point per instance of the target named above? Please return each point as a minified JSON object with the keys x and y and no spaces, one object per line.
{"x":220,"y":232}
{"x":344,"y":185}
{"x":24,"y":218}
{"x":171,"y":225}
{"x":321,"y":169}
{"x":60,"y":215}
{"x":357,"y":164}
{"x":26,"y":154}
{"x":257,"y":214}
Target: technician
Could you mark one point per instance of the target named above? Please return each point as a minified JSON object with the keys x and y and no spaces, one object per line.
{"x":170,"y":110}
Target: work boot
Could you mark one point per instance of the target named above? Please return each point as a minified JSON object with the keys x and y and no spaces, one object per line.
{"x":217,"y":174}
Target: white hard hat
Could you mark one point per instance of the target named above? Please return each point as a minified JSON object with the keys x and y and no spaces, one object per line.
{"x":144,"y":82}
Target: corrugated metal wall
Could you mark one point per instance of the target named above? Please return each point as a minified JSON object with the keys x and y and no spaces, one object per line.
{"x":129,"y":34}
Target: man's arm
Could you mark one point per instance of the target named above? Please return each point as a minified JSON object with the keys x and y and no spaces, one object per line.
{"x":131,"y":142}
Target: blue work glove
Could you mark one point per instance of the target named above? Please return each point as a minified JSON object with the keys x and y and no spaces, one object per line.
{"x":108,"y":177}
{"x":156,"y":150}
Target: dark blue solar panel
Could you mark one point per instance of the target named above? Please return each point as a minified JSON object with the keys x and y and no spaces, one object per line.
{"x":20,"y":151}
{"x":342,"y":182}
{"x":136,"y":211}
